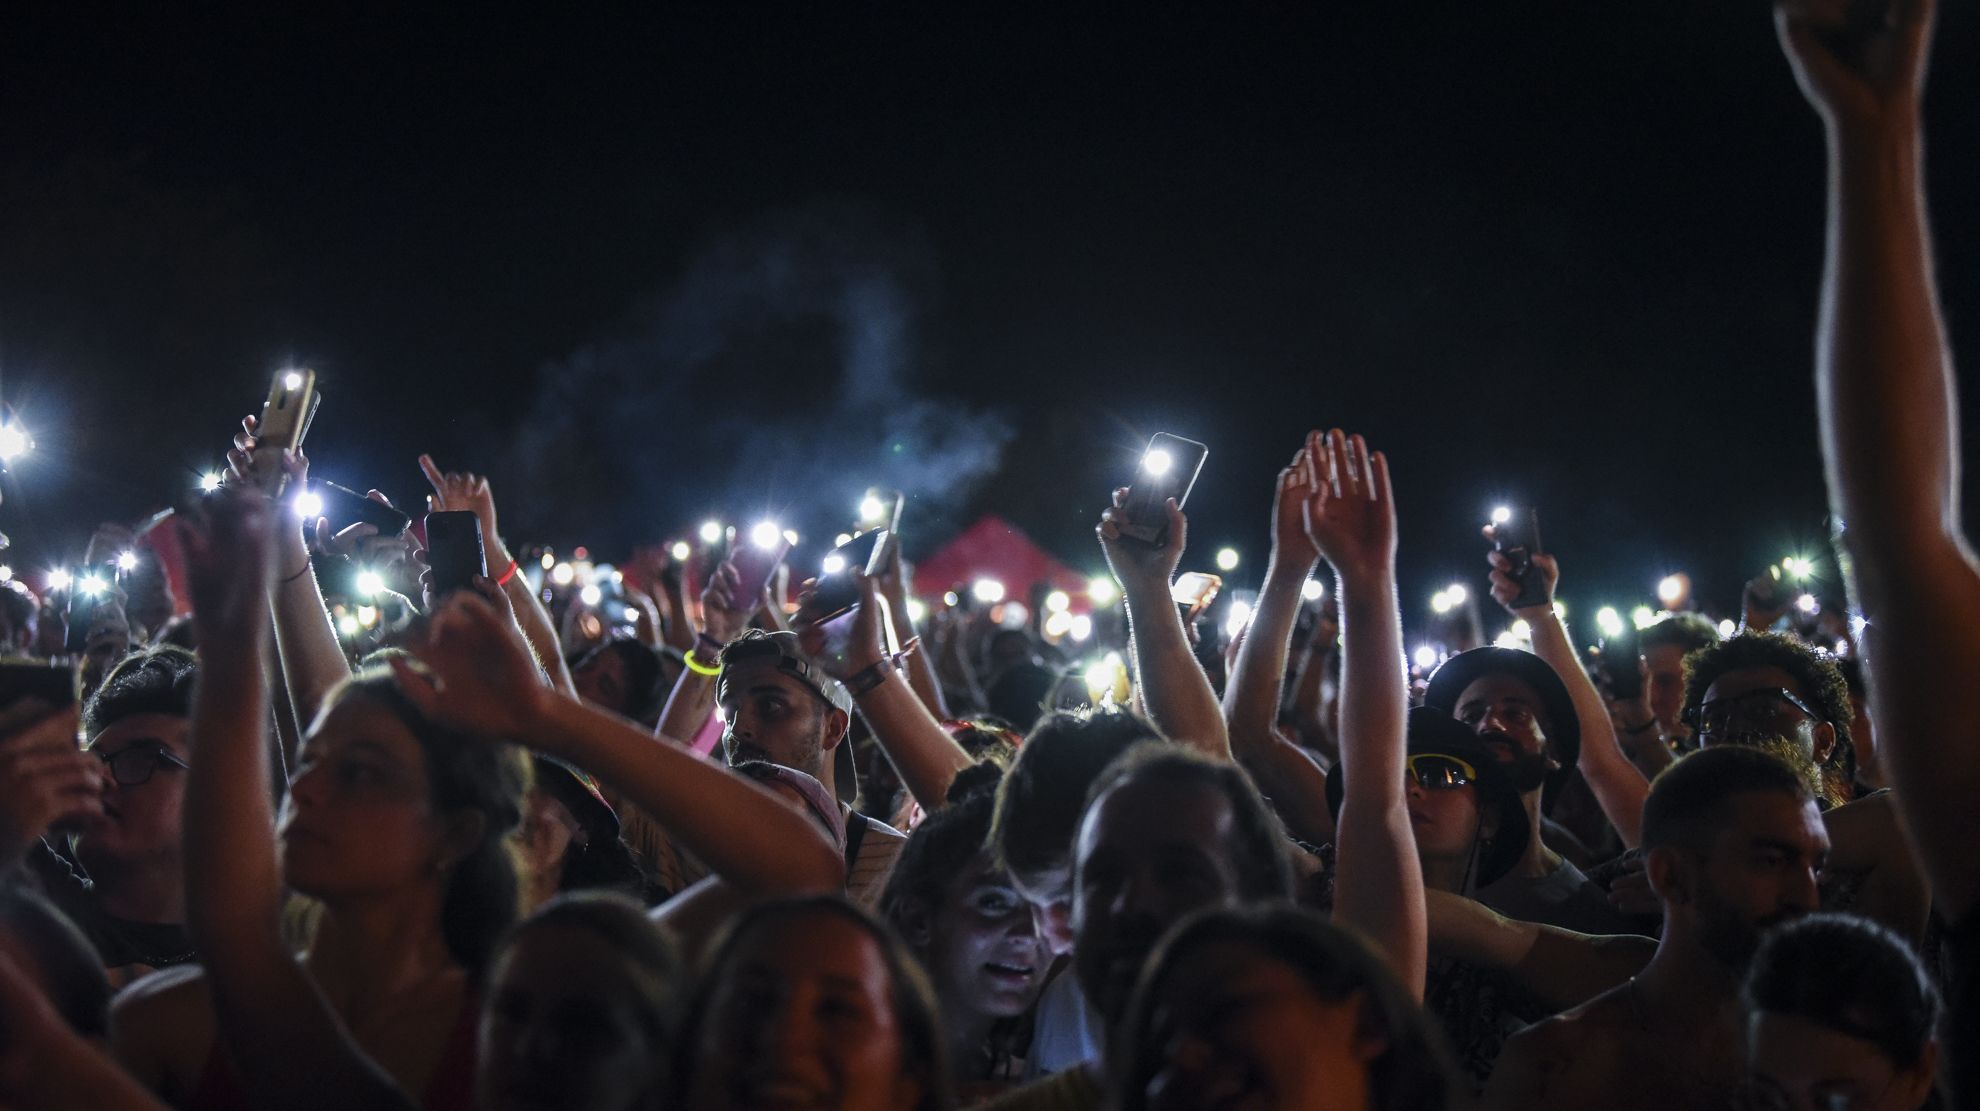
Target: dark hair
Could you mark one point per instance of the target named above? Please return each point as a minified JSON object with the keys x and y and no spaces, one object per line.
{"x":1849,"y":975}
{"x":1689,"y":631}
{"x":1413,"y":1072}
{"x":648,"y":958}
{"x":1044,"y":793}
{"x":642,"y":666}
{"x":1817,"y":676}
{"x":1264,"y":864}
{"x":1687,"y":802}
{"x":463,"y":773}
{"x":155,"y":681}
{"x":923,"y":1053}
{"x":937,"y":853}
{"x":1020,"y":693}
{"x":61,"y":956}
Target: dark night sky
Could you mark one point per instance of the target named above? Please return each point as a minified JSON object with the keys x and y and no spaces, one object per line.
{"x":1564,"y":253}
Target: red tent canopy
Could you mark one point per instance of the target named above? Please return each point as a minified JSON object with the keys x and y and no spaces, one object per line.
{"x":993,"y":548}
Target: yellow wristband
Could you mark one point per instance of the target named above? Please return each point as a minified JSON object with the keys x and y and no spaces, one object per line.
{"x":697,"y":666}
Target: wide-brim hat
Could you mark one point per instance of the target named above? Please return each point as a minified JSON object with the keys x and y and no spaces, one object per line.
{"x":1448,"y":683}
{"x":1434,"y":732}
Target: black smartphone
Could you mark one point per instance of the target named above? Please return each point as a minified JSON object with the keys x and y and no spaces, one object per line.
{"x":1168,"y":469}
{"x":88,"y":590}
{"x":286,"y":416}
{"x":1518,"y":539}
{"x":54,"y":684}
{"x":454,"y":551}
{"x":887,"y":522}
{"x":836,"y":593}
{"x":346,"y":507}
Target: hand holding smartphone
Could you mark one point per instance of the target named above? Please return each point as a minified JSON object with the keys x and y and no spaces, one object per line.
{"x":1168,"y":469}
{"x":285,"y":418}
{"x":1518,"y":539}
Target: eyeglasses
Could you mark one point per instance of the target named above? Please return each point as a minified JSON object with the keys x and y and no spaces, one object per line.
{"x":1434,"y":771}
{"x":1755,"y":706}
{"x":134,"y":765}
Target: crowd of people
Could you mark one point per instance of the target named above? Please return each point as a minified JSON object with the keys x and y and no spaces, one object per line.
{"x":303,"y":823}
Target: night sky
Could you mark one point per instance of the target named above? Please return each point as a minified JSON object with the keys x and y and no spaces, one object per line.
{"x":675,"y":261}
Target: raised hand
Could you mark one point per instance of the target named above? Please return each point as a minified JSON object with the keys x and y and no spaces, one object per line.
{"x":45,"y":780}
{"x":478,"y":675}
{"x":454,"y":491}
{"x":723,"y":615}
{"x":242,"y":468}
{"x":1505,"y":588}
{"x":1352,"y":517}
{"x":1858,"y":61}
{"x":1141,"y":567}
{"x":861,"y":646}
{"x":1292,"y":546}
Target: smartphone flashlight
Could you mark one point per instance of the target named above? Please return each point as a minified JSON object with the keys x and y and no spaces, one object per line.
{"x":764,"y":535}
{"x":1157,"y":462}
{"x":127,"y":561}
{"x":711,"y":532}
{"x":1501,"y":515}
{"x":987,"y":591}
{"x":680,"y":551}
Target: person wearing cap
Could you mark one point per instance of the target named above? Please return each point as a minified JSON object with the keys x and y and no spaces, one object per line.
{"x":780,"y":707}
{"x":570,"y":837}
{"x":1521,"y":705}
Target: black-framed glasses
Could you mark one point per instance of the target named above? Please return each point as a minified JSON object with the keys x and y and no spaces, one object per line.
{"x":1434,"y":771}
{"x":1754,"y":706}
{"x":134,"y":765}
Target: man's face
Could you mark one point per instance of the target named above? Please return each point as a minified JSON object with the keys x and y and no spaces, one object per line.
{"x":1759,"y":703}
{"x":774,"y":717}
{"x":1663,"y":683}
{"x":1148,"y":853}
{"x":1759,"y":871}
{"x":141,"y":821}
{"x":1505,"y":712}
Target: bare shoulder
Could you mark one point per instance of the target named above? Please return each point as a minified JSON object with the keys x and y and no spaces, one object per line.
{"x":1561,"y":1061}
{"x":162,"y":1029}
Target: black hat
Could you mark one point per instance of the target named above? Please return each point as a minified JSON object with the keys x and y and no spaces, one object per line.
{"x":1448,"y":682}
{"x":1433,"y":731}
{"x":580,"y":795}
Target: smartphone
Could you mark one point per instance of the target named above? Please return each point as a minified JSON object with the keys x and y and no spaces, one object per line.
{"x":1194,"y":591}
{"x":836,"y":593}
{"x":91,"y":587}
{"x":1168,"y":469}
{"x":346,"y":507}
{"x":1518,"y":538}
{"x":291,"y":406}
{"x":54,"y":684}
{"x":754,"y":565}
{"x":889,"y":527}
{"x":454,"y":551}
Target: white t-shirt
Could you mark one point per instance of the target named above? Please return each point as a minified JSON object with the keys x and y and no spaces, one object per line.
{"x":1067,"y":1031}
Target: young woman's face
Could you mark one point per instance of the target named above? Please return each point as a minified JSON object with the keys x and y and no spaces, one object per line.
{"x":803,"y":1018}
{"x":358,"y":818}
{"x":983,"y":945}
{"x":1234,"y":1029}
{"x":1444,"y":819}
{"x":562,"y":1027}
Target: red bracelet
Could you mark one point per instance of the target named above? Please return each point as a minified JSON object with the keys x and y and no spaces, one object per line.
{"x":514,"y":565}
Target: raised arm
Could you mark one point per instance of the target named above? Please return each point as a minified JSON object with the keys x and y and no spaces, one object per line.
{"x":1378,"y":884}
{"x":1889,"y":414}
{"x":1617,"y":784}
{"x":723,"y":619}
{"x":924,"y":754}
{"x":478,"y":678}
{"x":1173,"y":688}
{"x":919,"y":667}
{"x":458,"y":490}
{"x":292,"y":1049}
{"x":1558,"y":967}
{"x":313,"y":660}
{"x":1288,"y":776}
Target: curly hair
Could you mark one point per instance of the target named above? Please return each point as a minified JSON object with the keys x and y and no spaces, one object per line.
{"x":156,"y":681}
{"x":1815,"y":675}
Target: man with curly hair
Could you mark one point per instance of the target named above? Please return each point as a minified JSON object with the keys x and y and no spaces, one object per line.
{"x":1771,"y":691}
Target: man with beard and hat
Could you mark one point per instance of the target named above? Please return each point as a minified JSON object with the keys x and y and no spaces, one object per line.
{"x":1734,"y":844}
{"x":1525,"y":719}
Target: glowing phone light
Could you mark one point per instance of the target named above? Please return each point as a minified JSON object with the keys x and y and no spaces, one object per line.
{"x":711,"y":532}
{"x":127,"y":561}
{"x":1501,"y":515}
{"x":765,"y":534}
{"x":1157,"y":462}
{"x":209,"y":482}
{"x":987,"y":591}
